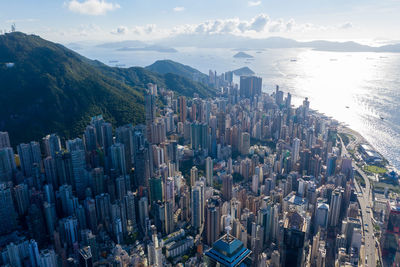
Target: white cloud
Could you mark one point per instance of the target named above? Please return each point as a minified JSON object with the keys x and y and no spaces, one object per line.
{"x":346,"y":25}
{"x":254,"y":3}
{"x":91,"y":7}
{"x":290,"y":25}
{"x":120,"y":30}
{"x":259,"y":22}
{"x":260,"y":26}
{"x":179,"y":9}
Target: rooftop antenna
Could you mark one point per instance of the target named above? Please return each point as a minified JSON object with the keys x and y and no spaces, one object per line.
{"x":228,"y":227}
{"x":13,"y":27}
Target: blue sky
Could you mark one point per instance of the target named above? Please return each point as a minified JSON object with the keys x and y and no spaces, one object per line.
{"x":101,"y":20}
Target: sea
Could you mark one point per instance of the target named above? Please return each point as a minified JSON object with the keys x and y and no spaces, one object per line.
{"x":358,"y":89}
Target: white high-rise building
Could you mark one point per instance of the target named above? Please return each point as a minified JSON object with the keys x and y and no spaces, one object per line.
{"x":296,"y":150}
{"x":336,"y":202}
{"x":209,"y":171}
{"x":322,"y":215}
{"x":197,"y":205}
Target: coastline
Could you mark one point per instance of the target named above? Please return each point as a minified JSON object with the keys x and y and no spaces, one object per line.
{"x":356,"y":139}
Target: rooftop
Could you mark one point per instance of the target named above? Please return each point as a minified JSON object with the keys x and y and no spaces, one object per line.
{"x":228,"y":251}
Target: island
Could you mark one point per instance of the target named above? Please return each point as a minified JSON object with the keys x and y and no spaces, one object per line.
{"x":245,"y":71}
{"x":154,"y":48}
{"x":242,"y":55}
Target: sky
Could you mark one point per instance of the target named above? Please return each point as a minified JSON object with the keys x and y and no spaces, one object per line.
{"x":65,"y":21}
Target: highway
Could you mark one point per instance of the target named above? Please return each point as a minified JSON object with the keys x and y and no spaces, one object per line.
{"x":365,"y":200}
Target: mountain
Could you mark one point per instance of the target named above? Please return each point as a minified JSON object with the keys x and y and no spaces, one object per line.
{"x":391,"y":48}
{"x":242,"y":55}
{"x":245,"y":71}
{"x":169,"y":66}
{"x":134,"y":45}
{"x":242,"y":43}
{"x":116,"y":45}
{"x":50,"y":88}
{"x":155,"y":48}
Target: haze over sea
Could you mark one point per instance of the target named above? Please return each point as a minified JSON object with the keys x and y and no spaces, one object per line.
{"x":357,"y":88}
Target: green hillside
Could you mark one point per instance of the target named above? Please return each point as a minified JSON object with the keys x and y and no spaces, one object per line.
{"x":169,"y":66}
{"x":53,"y":89}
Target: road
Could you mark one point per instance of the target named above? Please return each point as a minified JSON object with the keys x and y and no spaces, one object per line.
{"x":365,"y":200}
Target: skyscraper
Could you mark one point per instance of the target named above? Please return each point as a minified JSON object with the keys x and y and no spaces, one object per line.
{"x":21,"y":194}
{"x":106,"y":136}
{"x":221,"y":123}
{"x":296,"y":150}
{"x":156,"y":189}
{"x":7,"y":164}
{"x":143,"y":212}
{"x":182,"y":109}
{"x":250,"y":86}
{"x":330,"y":164}
{"x":322,"y":215}
{"x":194,"y":175}
{"x":245,"y":143}
{"x":295,"y":227}
{"x":118,"y":158}
{"x":52,"y":144}
{"x":75,"y":144}
{"x":169,"y":217}
{"x":90,"y":137}
{"x":130,"y":212}
{"x":209,"y":171}
{"x":212,"y":223}
{"x":227,"y":183}
{"x":78,"y":168}
{"x":150,"y":113}
{"x":50,"y":217}
{"x":28,"y":155}
{"x":335,"y":207}
{"x":197,"y":205}
{"x":228,"y":251}
{"x":8,"y":216}
{"x":48,"y":258}
{"x":50,"y":170}
{"x":124,"y":135}
{"x":70,"y":227}
{"x":4,"y":140}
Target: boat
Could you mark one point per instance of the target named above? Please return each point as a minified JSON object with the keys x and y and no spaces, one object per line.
{"x":293,"y":60}
{"x":113,"y":61}
{"x":382,"y":118}
{"x":347,"y":107}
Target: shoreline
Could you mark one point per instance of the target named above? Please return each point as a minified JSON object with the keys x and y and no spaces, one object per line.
{"x":358,"y":138}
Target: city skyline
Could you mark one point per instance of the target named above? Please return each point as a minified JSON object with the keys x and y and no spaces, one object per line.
{"x":199,"y":133}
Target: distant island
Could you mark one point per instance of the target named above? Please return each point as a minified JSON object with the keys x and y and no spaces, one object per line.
{"x":150,"y":48}
{"x":242,"y":55}
{"x":241,"y":43}
{"x":245,"y":71}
